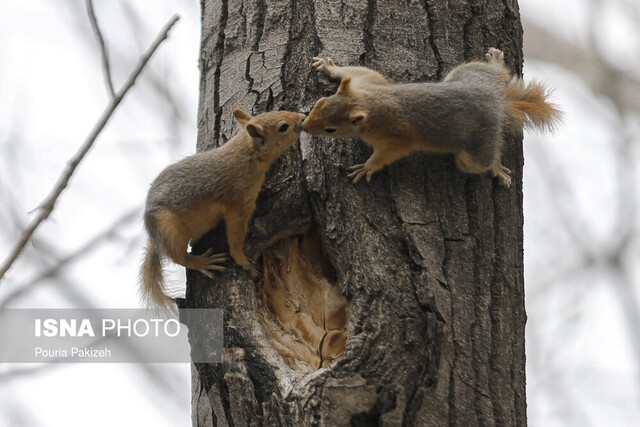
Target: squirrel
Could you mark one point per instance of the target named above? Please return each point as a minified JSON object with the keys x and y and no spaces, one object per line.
{"x":190,"y":197}
{"x":467,"y":114}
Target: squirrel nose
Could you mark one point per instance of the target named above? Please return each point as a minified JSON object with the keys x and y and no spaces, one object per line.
{"x":304,"y":123}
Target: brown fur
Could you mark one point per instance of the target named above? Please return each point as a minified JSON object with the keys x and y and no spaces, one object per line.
{"x":466,"y":114}
{"x":193,"y":195}
{"x":527,"y":106}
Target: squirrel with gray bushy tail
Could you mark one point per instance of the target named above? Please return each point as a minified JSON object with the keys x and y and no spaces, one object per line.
{"x":193,"y":195}
{"x":466,"y":114}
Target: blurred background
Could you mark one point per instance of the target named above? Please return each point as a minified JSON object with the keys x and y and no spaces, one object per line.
{"x":582,"y":251}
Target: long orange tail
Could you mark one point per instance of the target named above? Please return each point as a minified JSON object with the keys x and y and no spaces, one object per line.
{"x":152,"y":280}
{"x":527,"y":106}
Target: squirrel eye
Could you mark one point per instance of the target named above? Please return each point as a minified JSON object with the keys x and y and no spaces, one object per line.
{"x":283,"y":128}
{"x":330,"y":130}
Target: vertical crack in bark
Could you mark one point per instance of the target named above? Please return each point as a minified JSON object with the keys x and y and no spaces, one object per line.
{"x":482,"y":247}
{"x":477,"y":11}
{"x":261,"y":11}
{"x":243,"y":14}
{"x":423,"y":277}
{"x":431,"y":21}
{"x":303,"y":43}
{"x":506,"y":328}
{"x":452,"y":391}
{"x":219,"y":51}
{"x":428,"y":373}
{"x":512,"y":27}
{"x":247,"y":76}
{"x":494,"y":310}
{"x":367,"y":33}
{"x":467,"y":29}
{"x":245,"y":410}
{"x":258,"y":23}
{"x":204,"y":42}
{"x":477,"y":322}
{"x":290,"y":53}
{"x":213,"y":392}
{"x":319,"y":351}
{"x":270,"y":99}
{"x":226,"y":401}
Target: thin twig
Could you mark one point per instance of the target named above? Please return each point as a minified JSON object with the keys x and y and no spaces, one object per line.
{"x":88,"y":246}
{"x":106,"y":68}
{"x":46,"y":207}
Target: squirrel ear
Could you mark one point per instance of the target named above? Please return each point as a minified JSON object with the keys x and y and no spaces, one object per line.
{"x":256,"y":132}
{"x":344,"y":85}
{"x":241,"y":116}
{"x":357,"y":116}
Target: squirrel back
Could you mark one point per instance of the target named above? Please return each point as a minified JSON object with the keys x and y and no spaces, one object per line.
{"x":441,"y":117}
{"x":466,"y":114}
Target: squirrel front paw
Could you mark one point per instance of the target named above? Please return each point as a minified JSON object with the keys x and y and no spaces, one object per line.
{"x":494,"y":55}
{"x":360,"y":171}
{"x":324,"y":65}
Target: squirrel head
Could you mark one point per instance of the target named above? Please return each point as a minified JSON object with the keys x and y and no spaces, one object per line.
{"x":271,"y":133}
{"x":338,"y":115}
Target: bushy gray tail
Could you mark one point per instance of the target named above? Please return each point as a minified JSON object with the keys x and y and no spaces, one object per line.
{"x":152,"y":280}
{"x":528,"y":107}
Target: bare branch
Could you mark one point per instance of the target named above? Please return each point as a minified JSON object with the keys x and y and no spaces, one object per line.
{"x":106,"y":68}
{"x":54,"y":270}
{"x":46,"y":207}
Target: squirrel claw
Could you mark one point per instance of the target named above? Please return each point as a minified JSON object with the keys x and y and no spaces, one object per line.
{"x":253,"y":271}
{"x":503,"y":175}
{"x":206,"y":273}
{"x":360,"y":171}
{"x":251,"y":268}
{"x":207,"y":270}
{"x":221,"y":257}
{"x":247,"y":265}
{"x":323,"y":64}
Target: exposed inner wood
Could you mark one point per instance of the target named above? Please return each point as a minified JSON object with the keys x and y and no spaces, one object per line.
{"x":303,"y":314}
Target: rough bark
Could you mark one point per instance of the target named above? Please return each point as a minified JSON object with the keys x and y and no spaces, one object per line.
{"x":430,"y":260}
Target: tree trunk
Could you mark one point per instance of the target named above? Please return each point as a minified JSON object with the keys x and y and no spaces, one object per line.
{"x":429,"y":261}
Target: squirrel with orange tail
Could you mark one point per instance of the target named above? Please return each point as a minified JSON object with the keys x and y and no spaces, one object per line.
{"x":193,"y":195}
{"x":467,"y":114}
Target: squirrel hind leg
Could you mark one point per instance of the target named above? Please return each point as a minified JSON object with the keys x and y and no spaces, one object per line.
{"x":471,"y":163}
{"x":175,"y":237}
{"x":502,"y":173}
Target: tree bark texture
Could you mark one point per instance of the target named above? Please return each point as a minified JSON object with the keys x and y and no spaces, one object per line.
{"x":428,"y":259}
